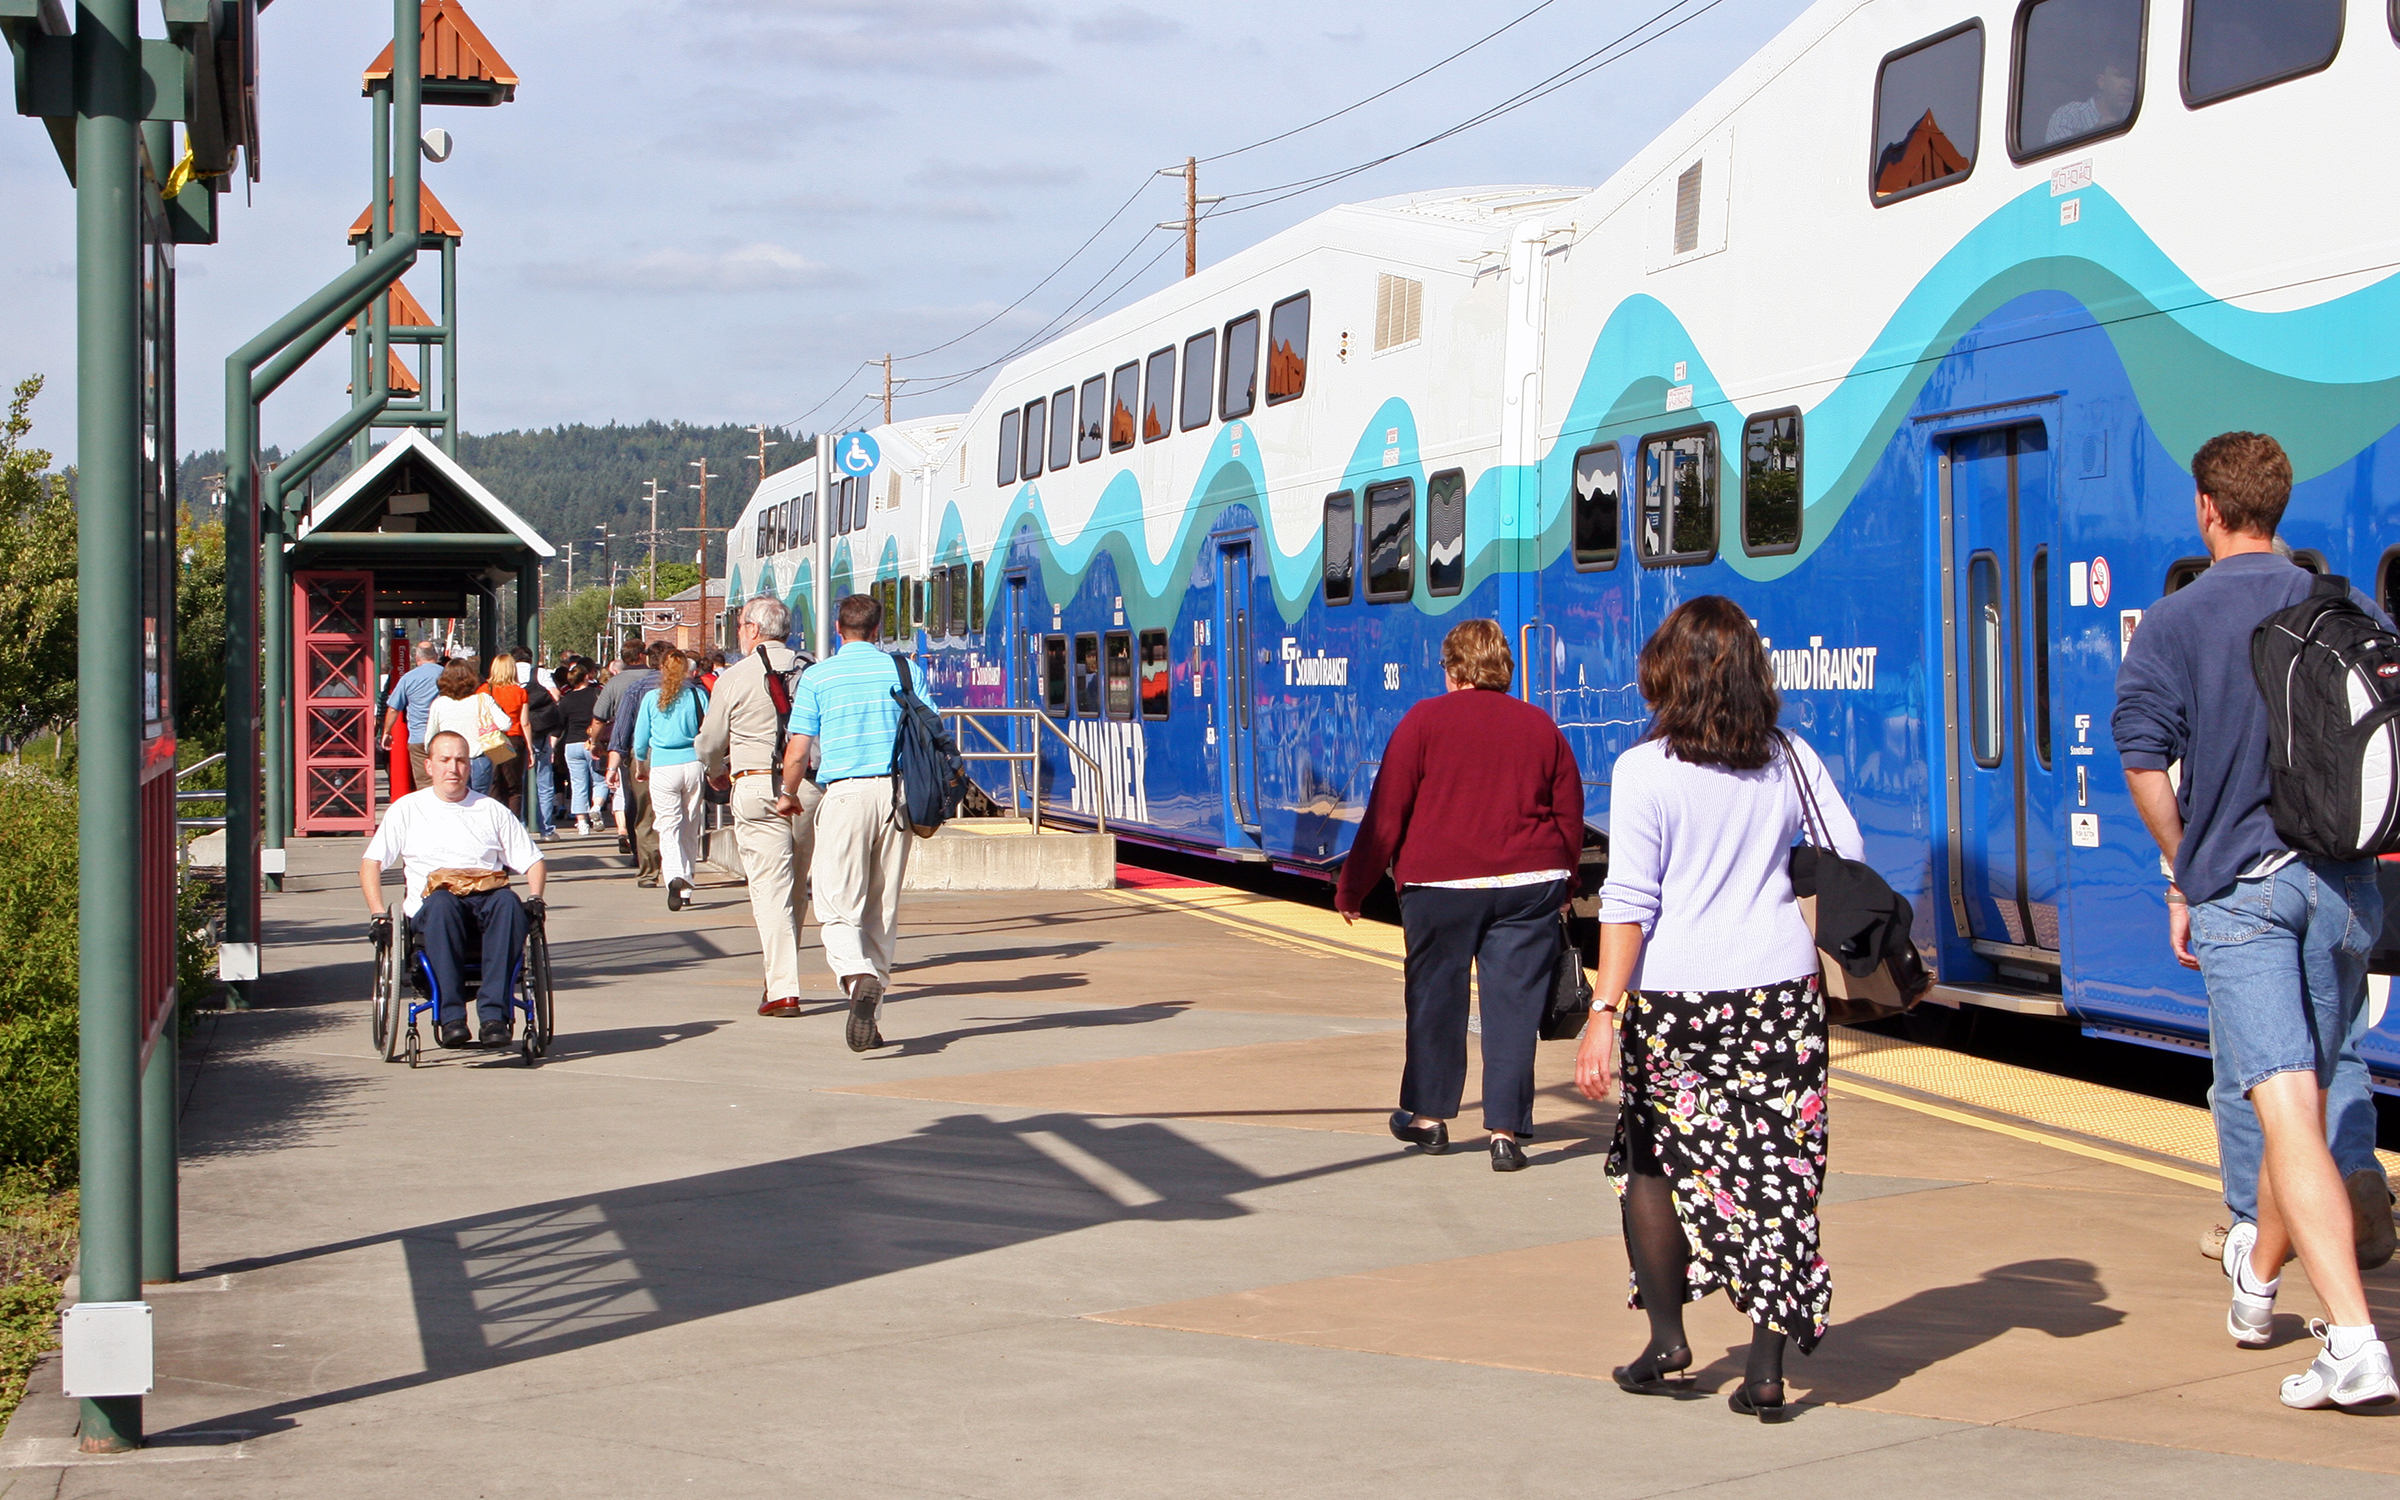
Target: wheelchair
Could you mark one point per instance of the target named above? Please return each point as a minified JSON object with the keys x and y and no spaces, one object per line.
{"x":405,"y":989}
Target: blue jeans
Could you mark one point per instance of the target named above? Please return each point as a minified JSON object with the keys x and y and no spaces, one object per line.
{"x":2284,"y":959}
{"x":479,"y":775}
{"x":2349,"y":1125}
{"x":587,"y":780}
{"x":545,"y":794}
{"x":489,"y":924}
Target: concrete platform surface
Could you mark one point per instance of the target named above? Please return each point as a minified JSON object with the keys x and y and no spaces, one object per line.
{"x":1114,"y":1215}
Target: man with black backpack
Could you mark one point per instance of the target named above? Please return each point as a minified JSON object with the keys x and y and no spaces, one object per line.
{"x":2278,"y":931}
{"x":846,"y":719}
{"x":741,"y":751}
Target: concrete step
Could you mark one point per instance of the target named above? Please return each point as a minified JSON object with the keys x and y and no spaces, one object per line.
{"x":1004,"y":854}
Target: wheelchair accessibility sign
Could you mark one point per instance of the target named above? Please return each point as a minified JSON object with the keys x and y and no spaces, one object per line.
{"x":855,"y":454}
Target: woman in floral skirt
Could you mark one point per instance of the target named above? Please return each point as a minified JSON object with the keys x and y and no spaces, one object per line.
{"x":1710,"y":970}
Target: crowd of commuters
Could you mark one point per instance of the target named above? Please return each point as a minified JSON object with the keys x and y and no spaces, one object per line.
{"x":1707,"y":1020}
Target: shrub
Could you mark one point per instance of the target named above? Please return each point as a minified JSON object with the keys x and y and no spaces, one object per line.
{"x":37,"y":972}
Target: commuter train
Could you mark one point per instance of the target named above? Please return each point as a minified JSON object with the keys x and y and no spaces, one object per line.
{"x":1902,"y":337}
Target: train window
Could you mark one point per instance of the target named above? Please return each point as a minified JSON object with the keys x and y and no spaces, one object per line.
{"x":916,"y":603}
{"x":808,"y":518}
{"x":2041,"y":655}
{"x":1118,"y":664}
{"x":2234,"y":46}
{"x":1771,"y":483}
{"x":758,"y":544}
{"x":1054,"y":676}
{"x":961,"y":599}
{"x":2310,"y":560}
{"x":1158,"y":408}
{"x":1237,"y":390}
{"x":1087,"y":675}
{"x":887,"y":594}
{"x":1092,"y":439}
{"x":1199,"y":358}
{"x":1287,"y":350}
{"x":2078,"y":73}
{"x":1036,"y":416}
{"x":1597,"y":478}
{"x":2387,"y":572}
{"x":1125,"y":395}
{"x":842,"y":490}
{"x":1062,"y":429}
{"x":1986,"y":636}
{"x":1446,"y":533}
{"x":1157,"y":674}
{"x":851,"y":507}
{"x":1341,"y":545}
{"x":2182,"y":571}
{"x":1391,"y":540}
{"x":1928,"y":101}
{"x":975,"y":599}
{"x":937,"y":603}
{"x":1008,"y":447}
{"x":1679,"y":496}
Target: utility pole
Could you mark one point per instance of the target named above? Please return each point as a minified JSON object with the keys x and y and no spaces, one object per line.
{"x":765,"y":442}
{"x":887,"y":390}
{"x":702,"y":465}
{"x":653,"y":497}
{"x":1190,"y":222}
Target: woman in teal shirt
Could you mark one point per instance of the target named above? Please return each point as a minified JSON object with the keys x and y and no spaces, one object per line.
{"x":663,"y":732}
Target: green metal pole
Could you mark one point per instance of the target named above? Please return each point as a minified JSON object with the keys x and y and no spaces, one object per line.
{"x":107,"y":71}
{"x":162,"y":1257}
{"x":529,"y":610}
{"x":275,"y":589}
{"x":450,"y":347}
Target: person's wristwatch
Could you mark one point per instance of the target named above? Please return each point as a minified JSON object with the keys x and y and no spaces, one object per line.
{"x":2176,"y":897}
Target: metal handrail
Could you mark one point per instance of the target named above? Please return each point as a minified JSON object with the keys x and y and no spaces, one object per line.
{"x":1033,"y":796}
{"x":199,"y":765}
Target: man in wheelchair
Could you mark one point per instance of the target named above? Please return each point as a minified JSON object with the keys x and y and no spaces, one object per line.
{"x":458,"y":848}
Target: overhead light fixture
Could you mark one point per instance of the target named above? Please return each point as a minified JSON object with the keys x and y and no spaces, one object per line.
{"x":435,"y":143}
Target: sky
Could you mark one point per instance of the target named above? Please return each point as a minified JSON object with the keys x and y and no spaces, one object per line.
{"x":717,"y":210}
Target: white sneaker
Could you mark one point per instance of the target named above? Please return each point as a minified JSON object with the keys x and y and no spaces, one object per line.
{"x":2251,"y":1318}
{"x":2364,"y":1378}
{"x":583,"y":828}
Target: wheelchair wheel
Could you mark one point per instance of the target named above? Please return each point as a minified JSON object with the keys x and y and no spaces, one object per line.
{"x":537,"y":990}
{"x":408,"y":1045}
{"x":380,"y":1019}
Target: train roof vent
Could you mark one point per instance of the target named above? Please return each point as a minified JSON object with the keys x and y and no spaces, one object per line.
{"x":1687,"y":209}
{"x":1399,"y":311}
{"x":893,"y":489}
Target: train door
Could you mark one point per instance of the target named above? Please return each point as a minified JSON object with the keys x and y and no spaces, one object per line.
{"x":1237,"y":703}
{"x":1022,"y":650}
{"x":2006,"y":874}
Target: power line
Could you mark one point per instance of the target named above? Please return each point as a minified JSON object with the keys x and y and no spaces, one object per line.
{"x":1574,"y":72}
{"x":1380,"y":93}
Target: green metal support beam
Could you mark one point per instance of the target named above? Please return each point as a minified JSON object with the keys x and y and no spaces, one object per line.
{"x":498,"y":547}
{"x":108,"y":278}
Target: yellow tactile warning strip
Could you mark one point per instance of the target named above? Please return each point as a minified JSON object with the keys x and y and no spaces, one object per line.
{"x":1307,"y":929}
{"x":2068,"y":1114}
{"x":2097,"y":1113}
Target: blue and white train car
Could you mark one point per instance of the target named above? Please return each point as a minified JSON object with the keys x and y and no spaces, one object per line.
{"x":1903,"y":338}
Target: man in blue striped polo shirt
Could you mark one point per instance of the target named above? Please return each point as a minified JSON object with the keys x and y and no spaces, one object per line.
{"x":845,"y":717}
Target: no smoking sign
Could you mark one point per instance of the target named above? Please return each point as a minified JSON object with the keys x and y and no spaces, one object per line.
{"x":2100,"y":582}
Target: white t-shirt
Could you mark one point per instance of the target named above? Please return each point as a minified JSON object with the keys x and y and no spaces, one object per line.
{"x":427,"y":834}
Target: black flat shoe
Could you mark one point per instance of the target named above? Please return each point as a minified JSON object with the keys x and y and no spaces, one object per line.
{"x":1432,"y":1139}
{"x":1507,"y":1155}
{"x":455,"y":1034}
{"x":495,"y":1034}
{"x":1741,"y":1404}
{"x":1648,"y":1375}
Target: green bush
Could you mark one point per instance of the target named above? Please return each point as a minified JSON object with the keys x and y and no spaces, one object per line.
{"x":37,"y":972}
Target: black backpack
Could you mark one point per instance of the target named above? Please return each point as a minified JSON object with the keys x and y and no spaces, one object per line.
{"x":929,"y":777}
{"x":2331,"y":677}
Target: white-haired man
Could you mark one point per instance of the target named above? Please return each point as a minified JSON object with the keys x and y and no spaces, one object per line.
{"x":741,"y":746}
{"x":457,"y":839}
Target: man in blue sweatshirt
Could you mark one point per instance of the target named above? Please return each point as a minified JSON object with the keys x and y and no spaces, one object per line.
{"x":2280,"y":938}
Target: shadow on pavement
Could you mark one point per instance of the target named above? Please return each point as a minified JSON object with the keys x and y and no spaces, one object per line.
{"x":497,"y":1289}
{"x":1864,"y":1357}
{"x":1071,"y":1020}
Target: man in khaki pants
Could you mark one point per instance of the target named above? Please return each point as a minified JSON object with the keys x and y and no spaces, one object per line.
{"x":739,"y":745}
{"x":844,"y":715}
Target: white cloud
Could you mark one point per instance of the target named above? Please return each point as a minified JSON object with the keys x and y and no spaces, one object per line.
{"x":1125,"y":25}
{"x":759,"y":267}
{"x":972,"y":175}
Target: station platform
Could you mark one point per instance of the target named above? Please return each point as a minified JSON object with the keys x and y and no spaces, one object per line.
{"x":1116,"y":1214}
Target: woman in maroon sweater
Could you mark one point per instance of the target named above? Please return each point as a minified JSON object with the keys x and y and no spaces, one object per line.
{"x":1478,"y":814}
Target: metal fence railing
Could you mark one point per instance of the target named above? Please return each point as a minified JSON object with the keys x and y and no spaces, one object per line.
{"x":1023,"y":790}
{"x":212,"y":794}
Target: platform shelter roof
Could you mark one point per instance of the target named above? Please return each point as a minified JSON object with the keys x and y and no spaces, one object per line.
{"x":427,"y":529}
{"x":460,"y":64}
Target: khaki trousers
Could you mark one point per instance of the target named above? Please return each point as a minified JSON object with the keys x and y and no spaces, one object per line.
{"x":855,"y":874}
{"x":775,"y":856}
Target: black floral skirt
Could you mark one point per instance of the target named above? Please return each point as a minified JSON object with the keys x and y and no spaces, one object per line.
{"x":1724,"y":1096}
